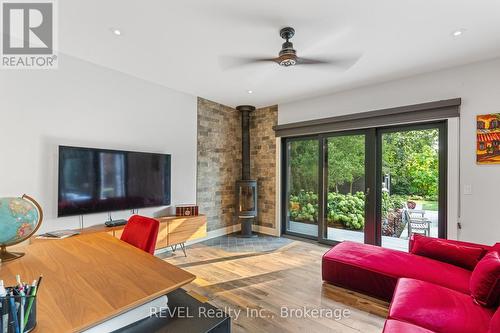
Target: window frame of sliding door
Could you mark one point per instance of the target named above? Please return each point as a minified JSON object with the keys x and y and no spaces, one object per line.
{"x":373,"y":181}
{"x":285,"y":159}
{"x":442,"y":127}
{"x":368,"y":232}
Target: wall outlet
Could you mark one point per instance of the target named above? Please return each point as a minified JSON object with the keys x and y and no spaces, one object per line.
{"x":467,"y":189}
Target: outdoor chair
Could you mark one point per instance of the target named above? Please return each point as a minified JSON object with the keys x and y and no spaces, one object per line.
{"x":417,"y":222}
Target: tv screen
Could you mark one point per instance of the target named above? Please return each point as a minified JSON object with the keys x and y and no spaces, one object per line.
{"x":100,"y":180}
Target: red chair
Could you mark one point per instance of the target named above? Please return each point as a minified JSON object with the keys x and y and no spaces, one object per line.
{"x":141,"y":232}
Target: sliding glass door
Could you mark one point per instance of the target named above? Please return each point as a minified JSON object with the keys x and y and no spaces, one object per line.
{"x":375,"y":186}
{"x":302,"y":187}
{"x":412,"y":183}
{"x":344,"y":187}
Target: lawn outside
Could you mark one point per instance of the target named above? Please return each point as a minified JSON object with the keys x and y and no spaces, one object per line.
{"x":428,"y":205}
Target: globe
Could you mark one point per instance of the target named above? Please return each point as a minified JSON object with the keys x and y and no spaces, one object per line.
{"x":19,"y":219}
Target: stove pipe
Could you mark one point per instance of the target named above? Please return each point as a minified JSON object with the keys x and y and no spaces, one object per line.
{"x":245,"y":139}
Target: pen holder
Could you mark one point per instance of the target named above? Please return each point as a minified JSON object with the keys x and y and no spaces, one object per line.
{"x":8,"y":323}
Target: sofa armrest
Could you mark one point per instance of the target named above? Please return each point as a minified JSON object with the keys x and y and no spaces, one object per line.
{"x":496,"y":247}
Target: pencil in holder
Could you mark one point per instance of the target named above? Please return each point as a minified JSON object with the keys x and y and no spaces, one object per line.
{"x":17,"y":313}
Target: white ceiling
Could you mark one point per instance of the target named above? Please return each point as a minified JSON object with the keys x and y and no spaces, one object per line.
{"x":180,"y":44}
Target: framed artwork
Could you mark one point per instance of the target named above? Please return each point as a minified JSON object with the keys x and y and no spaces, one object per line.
{"x":488,"y":139}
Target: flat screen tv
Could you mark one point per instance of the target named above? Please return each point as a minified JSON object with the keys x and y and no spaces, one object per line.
{"x":100,"y":180}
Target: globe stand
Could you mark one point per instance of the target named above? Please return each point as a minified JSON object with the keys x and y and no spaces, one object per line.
{"x":8,"y":256}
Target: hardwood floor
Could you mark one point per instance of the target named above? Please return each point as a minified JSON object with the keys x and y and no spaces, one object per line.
{"x":272,"y":289}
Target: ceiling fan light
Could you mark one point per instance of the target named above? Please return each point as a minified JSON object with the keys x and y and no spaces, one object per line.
{"x":287,"y":62}
{"x":287,"y":59}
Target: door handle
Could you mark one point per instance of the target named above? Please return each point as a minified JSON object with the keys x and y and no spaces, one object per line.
{"x":367,"y":191}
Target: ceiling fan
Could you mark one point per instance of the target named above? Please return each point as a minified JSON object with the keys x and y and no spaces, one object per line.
{"x":288,"y":55}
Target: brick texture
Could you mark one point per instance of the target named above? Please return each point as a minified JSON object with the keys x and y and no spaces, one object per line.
{"x":219,"y":162}
{"x":263,"y":162}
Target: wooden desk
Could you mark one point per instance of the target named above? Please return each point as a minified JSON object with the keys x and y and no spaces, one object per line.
{"x":90,"y":278}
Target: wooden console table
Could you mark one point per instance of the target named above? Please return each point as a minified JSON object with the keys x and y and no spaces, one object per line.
{"x":174,"y":230}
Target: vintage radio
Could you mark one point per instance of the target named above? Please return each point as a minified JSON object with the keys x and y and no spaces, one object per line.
{"x":186,"y":210}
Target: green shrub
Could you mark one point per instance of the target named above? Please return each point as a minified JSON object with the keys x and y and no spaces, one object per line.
{"x":304,"y":207}
{"x":347,"y":209}
{"x":392,"y":203}
{"x":398,"y":201}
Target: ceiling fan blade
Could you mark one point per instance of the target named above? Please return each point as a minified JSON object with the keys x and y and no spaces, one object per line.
{"x":344,"y":63}
{"x":308,"y":61}
{"x":228,"y":62}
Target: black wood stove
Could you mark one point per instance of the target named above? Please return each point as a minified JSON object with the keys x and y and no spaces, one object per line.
{"x":246,"y":188}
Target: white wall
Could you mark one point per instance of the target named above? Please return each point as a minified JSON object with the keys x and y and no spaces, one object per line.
{"x":479,"y":87}
{"x":83,"y":104}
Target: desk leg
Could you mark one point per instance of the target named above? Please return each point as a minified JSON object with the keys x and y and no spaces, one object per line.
{"x":183,"y":247}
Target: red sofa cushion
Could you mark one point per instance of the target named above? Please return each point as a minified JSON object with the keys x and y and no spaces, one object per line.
{"x":442,"y":250}
{"x":495,"y":322}
{"x":486,"y":248}
{"x":374,"y":270}
{"x":396,"y":326}
{"x":438,"y":308}
{"x":485,"y":280}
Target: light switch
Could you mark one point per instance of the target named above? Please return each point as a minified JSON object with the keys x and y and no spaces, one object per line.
{"x":467,"y":189}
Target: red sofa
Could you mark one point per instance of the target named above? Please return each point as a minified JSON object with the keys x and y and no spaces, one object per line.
{"x":427,"y":295}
